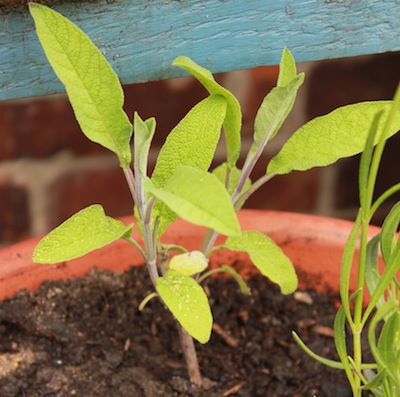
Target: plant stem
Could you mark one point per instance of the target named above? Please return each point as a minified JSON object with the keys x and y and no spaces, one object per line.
{"x":189,"y":352}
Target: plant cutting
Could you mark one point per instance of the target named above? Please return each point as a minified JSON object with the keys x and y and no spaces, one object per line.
{"x":181,"y":184}
{"x":381,"y":377}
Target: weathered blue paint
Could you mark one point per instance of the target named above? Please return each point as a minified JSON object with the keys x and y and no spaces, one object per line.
{"x":140,"y":38}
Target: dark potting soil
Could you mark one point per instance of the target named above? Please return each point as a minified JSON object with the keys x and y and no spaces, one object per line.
{"x":86,"y":338}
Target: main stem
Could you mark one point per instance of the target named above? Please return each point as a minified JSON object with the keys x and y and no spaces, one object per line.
{"x":189,"y":352}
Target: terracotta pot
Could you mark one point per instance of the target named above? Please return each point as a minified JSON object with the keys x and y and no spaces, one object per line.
{"x":314,"y":244}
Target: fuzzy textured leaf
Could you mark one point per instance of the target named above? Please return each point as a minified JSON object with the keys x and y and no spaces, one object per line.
{"x":267,"y":257}
{"x":188,"y":303}
{"x":192,"y":142}
{"x":92,"y":86}
{"x":325,"y":139}
{"x":87,"y":230}
{"x":287,"y":68}
{"x":233,"y":119}
{"x":273,"y":111}
{"x":198,"y":197}
{"x":189,"y":263}
{"x":143,"y":134}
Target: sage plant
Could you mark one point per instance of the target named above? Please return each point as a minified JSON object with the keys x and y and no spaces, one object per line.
{"x":181,"y":184}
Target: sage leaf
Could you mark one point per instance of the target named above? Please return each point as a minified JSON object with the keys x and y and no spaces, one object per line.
{"x":189,"y":263}
{"x":325,"y":139}
{"x":143,"y":134}
{"x":188,"y":303}
{"x":273,"y":111}
{"x":192,"y":142}
{"x":92,"y":86}
{"x":287,"y":68}
{"x":267,"y":257}
{"x":87,"y":230}
{"x":233,"y":119}
{"x":198,"y":197}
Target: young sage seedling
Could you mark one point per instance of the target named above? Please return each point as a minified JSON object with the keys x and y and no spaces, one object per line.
{"x":182,"y":184}
{"x":382,"y":377}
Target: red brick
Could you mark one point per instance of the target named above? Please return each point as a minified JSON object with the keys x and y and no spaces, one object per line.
{"x":40,"y":127}
{"x":75,"y":191}
{"x":14,"y":213}
{"x":296,"y":191}
{"x":340,"y":82}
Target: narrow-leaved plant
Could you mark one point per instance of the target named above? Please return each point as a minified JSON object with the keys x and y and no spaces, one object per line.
{"x":181,"y":184}
{"x":382,"y":376}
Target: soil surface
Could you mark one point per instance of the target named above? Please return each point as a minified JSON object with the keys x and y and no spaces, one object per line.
{"x":86,"y":338}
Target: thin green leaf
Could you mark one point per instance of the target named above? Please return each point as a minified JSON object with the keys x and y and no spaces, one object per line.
{"x":188,"y":303}
{"x":87,"y":230}
{"x":341,"y":133}
{"x":375,"y":382}
{"x":267,"y":257}
{"x":198,"y":197}
{"x":389,"y":346}
{"x":92,"y":86}
{"x":345,"y":269}
{"x":391,"y":269}
{"x":372,"y":275}
{"x":316,"y":357}
{"x":389,"y":229}
{"x":287,"y":68}
{"x":340,"y":343}
{"x":244,"y":288}
{"x":380,"y":352}
{"x":365,"y":163}
{"x":233,"y":119}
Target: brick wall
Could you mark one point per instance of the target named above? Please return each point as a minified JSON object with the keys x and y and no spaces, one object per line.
{"x":49,"y":170}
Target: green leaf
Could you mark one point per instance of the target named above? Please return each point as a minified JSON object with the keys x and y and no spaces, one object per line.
{"x":371,"y":267}
{"x":192,"y":142}
{"x":389,"y":346}
{"x":92,"y":86}
{"x":340,"y":343}
{"x":316,"y":357}
{"x":287,"y":68}
{"x":273,"y":111}
{"x":188,"y":303}
{"x":87,"y":230}
{"x":244,"y":288}
{"x":189,"y":263}
{"x":387,"y":351}
{"x":325,"y":139}
{"x":233,"y":119}
{"x":267,"y":257}
{"x":389,"y":229}
{"x":198,"y":197}
{"x":375,"y":382}
{"x":143,"y":134}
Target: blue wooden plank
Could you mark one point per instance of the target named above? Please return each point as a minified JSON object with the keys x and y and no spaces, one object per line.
{"x":140,"y":38}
